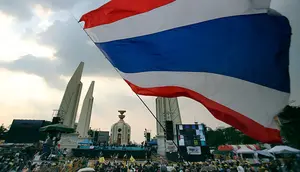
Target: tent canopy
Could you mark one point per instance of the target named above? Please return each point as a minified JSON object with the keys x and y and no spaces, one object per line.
{"x":237,"y":147}
{"x":265,"y":153}
{"x":283,"y":149}
{"x":245,"y":150}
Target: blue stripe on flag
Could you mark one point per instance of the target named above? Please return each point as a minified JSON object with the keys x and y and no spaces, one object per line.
{"x":254,"y":48}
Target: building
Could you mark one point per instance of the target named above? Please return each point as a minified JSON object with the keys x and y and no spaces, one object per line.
{"x":68,"y":108}
{"x":26,"y":131}
{"x":120,"y":131}
{"x":86,"y":112}
{"x":168,"y":114}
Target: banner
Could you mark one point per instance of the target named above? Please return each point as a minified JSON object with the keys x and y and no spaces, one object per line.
{"x":170,"y":146}
{"x":194,"y":150}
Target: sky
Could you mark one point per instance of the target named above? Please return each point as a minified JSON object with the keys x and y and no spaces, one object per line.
{"x":42,"y":44}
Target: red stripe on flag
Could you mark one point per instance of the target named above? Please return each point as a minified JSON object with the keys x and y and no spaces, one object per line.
{"x":223,"y":113}
{"x":119,"y":9}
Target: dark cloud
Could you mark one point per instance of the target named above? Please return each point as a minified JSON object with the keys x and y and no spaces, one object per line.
{"x":66,"y":36}
{"x":22,"y":9}
{"x":38,"y":66}
{"x":72,"y":46}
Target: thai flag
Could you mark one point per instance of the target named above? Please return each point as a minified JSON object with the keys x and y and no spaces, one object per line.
{"x":230,"y":55}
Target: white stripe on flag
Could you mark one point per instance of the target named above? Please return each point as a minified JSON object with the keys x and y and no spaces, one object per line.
{"x":177,"y":14}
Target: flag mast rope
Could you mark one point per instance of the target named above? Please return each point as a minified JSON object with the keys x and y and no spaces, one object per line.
{"x":139,"y":97}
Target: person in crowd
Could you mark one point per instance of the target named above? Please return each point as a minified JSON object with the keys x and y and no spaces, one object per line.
{"x":240,"y":167}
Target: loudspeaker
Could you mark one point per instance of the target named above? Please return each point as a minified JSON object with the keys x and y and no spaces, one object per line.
{"x":169,"y":130}
{"x":96,"y":136}
{"x":148,"y":137}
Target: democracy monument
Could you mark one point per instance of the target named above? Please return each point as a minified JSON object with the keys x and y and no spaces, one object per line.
{"x":68,"y":110}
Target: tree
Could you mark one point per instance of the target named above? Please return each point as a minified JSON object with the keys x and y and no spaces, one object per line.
{"x":2,"y":131}
{"x":229,"y":135}
{"x":232,"y":135}
{"x":289,"y":120}
{"x":248,"y":140}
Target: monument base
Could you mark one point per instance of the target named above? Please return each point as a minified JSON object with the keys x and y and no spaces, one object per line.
{"x":68,"y":141}
{"x":87,"y":141}
{"x":161,"y":145}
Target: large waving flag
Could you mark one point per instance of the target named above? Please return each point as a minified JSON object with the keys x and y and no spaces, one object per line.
{"x":230,"y":55}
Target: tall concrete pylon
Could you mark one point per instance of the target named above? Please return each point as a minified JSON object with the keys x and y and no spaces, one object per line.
{"x":167,"y":109}
{"x":68,"y":108}
{"x":86,"y":112}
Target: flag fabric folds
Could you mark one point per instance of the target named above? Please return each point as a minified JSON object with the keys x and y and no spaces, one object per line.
{"x":231,"y":55}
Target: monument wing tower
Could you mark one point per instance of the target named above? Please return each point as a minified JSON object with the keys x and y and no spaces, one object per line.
{"x":86,"y":112}
{"x":69,"y":104}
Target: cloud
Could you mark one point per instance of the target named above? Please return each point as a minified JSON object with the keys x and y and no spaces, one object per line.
{"x":25,"y":96}
{"x":72,"y":46}
{"x":42,"y":67}
{"x":22,"y":9}
{"x":13,"y":44}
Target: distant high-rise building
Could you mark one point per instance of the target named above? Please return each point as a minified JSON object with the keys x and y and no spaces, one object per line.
{"x":86,"y":112}
{"x":69,"y":104}
{"x":168,"y":114}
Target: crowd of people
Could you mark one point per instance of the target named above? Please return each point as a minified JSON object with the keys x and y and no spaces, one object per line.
{"x":19,"y":160}
{"x":15,"y":158}
{"x":147,"y":166}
